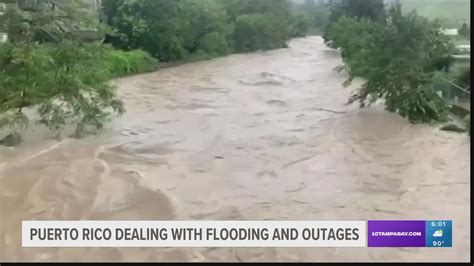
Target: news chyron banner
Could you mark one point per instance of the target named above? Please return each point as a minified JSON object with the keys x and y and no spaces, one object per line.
{"x":71,"y":234}
{"x":194,"y":234}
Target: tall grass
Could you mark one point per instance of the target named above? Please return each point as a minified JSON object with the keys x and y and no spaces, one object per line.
{"x":119,"y":63}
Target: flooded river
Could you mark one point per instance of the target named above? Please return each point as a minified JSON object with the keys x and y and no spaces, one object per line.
{"x":261,"y":136}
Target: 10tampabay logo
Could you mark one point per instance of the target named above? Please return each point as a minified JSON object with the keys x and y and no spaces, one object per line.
{"x":409,"y":233}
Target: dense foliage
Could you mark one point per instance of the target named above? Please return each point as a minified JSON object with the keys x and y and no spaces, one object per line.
{"x":371,"y":9}
{"x":49,"y":20}
{"x":367,"y":9}
{"x":399,"y":59}
{"x":169,"y":30}
{"x":118,"y":63}
{"x":63,"y":81}
{"x":174,"y":30}
{"x":62,"y":78}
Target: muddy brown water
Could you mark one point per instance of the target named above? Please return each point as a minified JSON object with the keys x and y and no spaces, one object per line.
{"x":261,"y":136}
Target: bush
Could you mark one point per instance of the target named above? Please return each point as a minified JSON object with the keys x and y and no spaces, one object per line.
{"x":214,"y":44}
{"x":301,"y":25}
{"x":119,"y":63}
{"x":259,"y":31}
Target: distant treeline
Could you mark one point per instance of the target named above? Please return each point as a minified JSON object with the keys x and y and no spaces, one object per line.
{"x":179,"y":29}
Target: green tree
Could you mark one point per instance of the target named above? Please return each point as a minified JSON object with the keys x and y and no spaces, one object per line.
{"x":260,"y":24}
{"x":170,"y":30}
{"x":150,"y":25}
{"x":368,"y":9}
{"x":207,"y":28}
{"x":355,"y":50}
{"x":257,"y":31}
{"x":301,"y":24}
{"x":173,"y":30}
{"x":50,"y":20}
{"x":62,"y":79}
{"x":399,"y":61}
{"x":372,"y":9}
{"x":110,"y":9}
{"x":280,"y":8}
